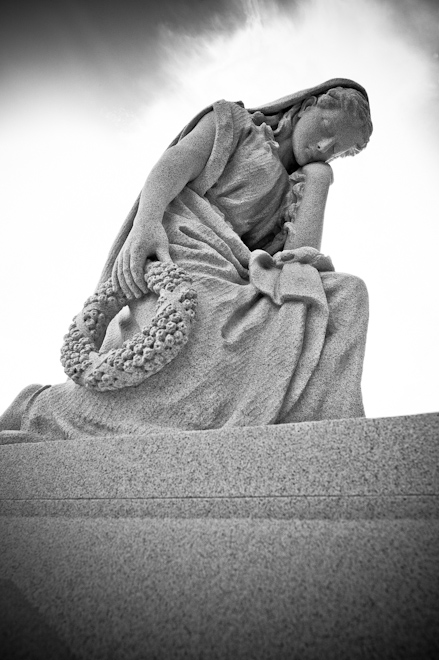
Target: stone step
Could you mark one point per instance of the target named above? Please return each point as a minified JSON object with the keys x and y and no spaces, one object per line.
{"x":316,"y":540}
{"x":352,"y":457}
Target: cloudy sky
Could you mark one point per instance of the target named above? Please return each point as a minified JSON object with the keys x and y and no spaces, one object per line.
{"x":92,"y":93}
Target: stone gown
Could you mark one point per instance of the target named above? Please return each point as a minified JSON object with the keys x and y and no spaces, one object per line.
{"x":270,"y":343}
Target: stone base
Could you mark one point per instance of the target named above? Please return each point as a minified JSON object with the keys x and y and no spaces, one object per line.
{"x":315,"y":540}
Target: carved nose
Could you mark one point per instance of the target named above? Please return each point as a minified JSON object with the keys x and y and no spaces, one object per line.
{"x":324,"y":145}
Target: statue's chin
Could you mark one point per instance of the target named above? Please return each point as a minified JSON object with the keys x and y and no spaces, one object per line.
{"x":303,"y":157}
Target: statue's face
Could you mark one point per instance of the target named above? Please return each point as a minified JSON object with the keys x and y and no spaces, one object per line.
{"x":322,"y":134}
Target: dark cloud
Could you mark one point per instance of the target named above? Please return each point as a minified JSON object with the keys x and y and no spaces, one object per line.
{"x":109,"y":48}
{"x":55,"y":31}
{"x":112,"y":48}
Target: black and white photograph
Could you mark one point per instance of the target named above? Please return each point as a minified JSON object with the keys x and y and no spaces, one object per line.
{"x":219,"y":426}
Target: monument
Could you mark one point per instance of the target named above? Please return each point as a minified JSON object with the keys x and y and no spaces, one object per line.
{"x":205,"y":483}
{"x":227,"y":232}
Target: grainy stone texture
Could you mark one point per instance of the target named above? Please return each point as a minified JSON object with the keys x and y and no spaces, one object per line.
{"x":275,"y":340}
{"x":350,"y":457}
{"x":165,"y":588}
{"x":272,"y":553}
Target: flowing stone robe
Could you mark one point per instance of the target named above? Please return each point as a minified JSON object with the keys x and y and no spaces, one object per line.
{"x":273,"y":341}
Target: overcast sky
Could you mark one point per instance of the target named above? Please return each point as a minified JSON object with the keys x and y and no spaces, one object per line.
{"x":92,"y":93}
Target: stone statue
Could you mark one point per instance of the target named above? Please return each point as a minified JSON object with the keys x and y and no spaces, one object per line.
{"x":215,"y":307}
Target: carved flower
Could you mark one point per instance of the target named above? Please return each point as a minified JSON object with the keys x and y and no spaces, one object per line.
{"x":178,"y":337}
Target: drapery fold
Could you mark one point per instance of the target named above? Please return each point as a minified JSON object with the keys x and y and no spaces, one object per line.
{"x":276,"y":338}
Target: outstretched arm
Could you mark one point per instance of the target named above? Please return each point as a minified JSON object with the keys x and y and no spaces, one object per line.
{"x":308,"y":223}
{"x":177,"y":166}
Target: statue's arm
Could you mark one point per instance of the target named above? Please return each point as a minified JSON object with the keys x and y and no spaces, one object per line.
{"x":308,"y":222}
{"x":178,"y":166}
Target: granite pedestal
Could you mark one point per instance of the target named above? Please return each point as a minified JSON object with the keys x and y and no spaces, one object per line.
{"x":314,"y":540}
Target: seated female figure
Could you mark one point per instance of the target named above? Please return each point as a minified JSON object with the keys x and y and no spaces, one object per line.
{"x":238,"y":202}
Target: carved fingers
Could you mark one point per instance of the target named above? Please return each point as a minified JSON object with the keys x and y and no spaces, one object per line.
{"x":129,"y":268}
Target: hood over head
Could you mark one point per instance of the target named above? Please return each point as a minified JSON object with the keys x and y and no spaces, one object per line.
{"x":281,"y":104}
{"x":272,"y":108}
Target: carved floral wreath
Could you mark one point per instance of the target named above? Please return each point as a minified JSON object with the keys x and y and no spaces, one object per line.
{"x":147,"y":351}
{"x":157,"y":344}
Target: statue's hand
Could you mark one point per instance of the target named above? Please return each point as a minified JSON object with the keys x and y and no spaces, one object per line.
{"x":140,"y":245}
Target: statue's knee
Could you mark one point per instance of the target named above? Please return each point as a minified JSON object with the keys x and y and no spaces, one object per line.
{"x":348,"y":301}
{"x":356,"y":301}
{"x":10,"y":420}
{"x":358,"y":289}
